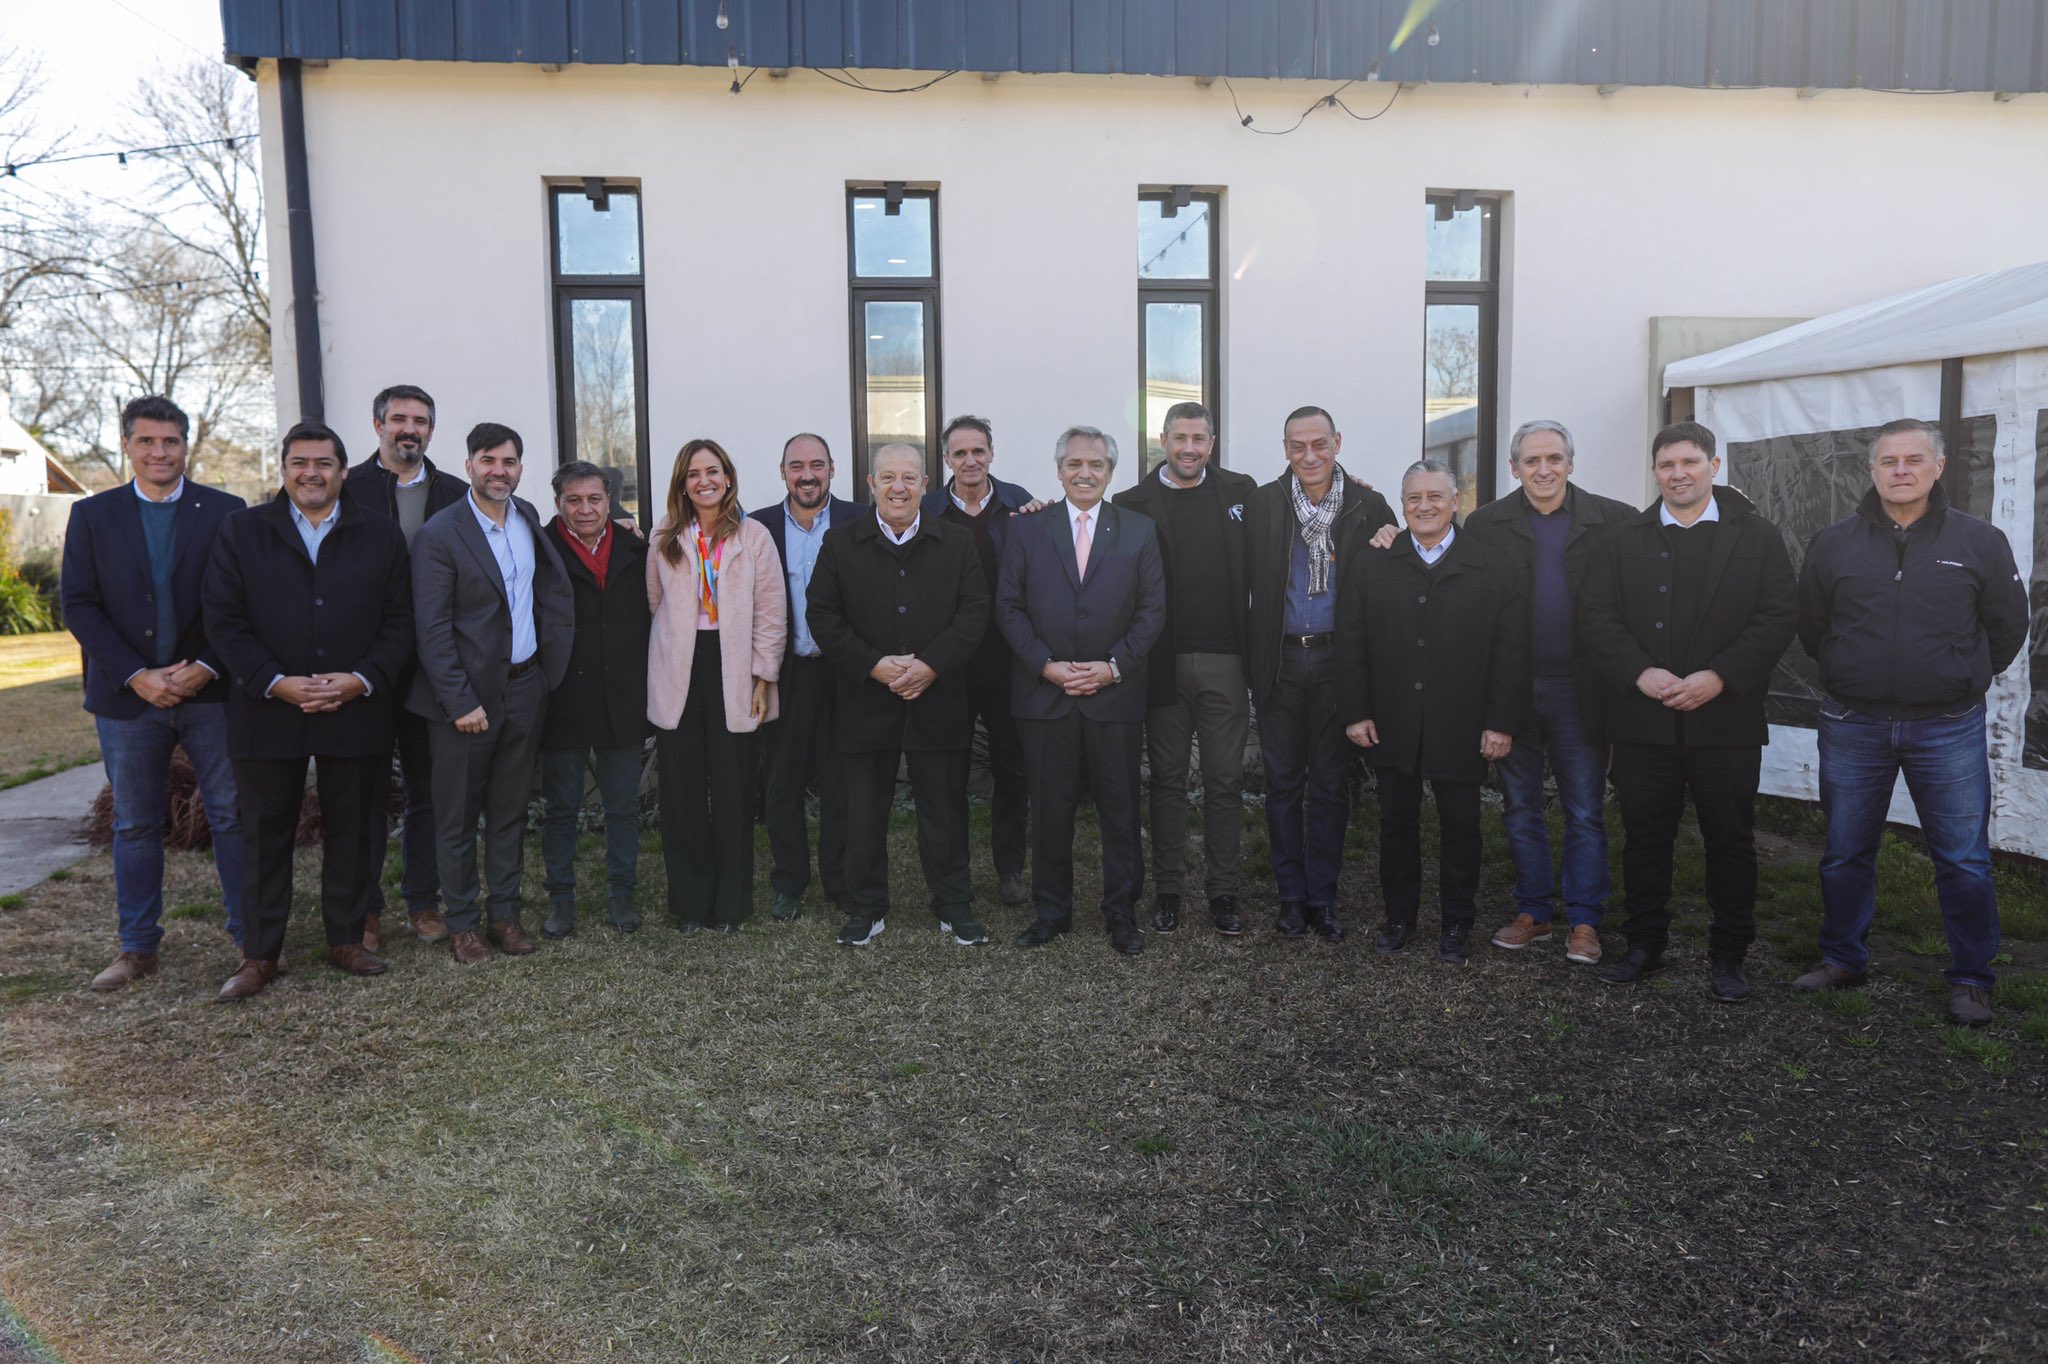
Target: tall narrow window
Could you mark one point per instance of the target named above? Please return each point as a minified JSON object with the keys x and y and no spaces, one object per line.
{"x":1460,"y":339}
{"x":1177,"y":325}
{"x":893,"y":251}
{"x":601,"y":335}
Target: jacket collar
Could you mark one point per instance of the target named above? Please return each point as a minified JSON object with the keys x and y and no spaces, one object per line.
{"x":1732,"y":504}
{"x":1871,"y":509}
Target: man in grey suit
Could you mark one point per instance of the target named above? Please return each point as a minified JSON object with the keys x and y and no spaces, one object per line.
{"x":495,"y":617}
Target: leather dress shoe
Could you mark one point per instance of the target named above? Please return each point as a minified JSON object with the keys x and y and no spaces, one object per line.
{"x":469,"y":947}
{"x":1043,"y":931}
{"x":1632,"y":968}
{"x":357,"y":960}
{"x":511,"y":938}
{"x":428,"y":923}
{"x":786,"y":909}
{"x":561,"y":920}
{"x":1290,"y":924}
{"x":128,"y":967}
{"x":623,"y":916}
{"x":248,"y":979}
{"x":373,"y":931}
{"x":1725,"y":981}
{"x":1392,"y":938}
{"x":1124,"y":935}
{"x":1011,"y":889}
{"x":1969,"y":1005}
{"x":1166,"y":913}
{"x":1323,"y":920}
{"x":1828,"y":976}
{"x":1223,"y":912}
{"x":1455,"y":946}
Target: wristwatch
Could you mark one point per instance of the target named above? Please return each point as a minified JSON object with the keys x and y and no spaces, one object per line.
{"x":1116,"y":674}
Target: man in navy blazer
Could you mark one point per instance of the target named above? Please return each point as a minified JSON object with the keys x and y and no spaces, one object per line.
{"x":133,"y":560}
{"x":983,"y":505}
{"x":310,"y":604}
{"x":1081,"y":599}
{"x":799,"y":746}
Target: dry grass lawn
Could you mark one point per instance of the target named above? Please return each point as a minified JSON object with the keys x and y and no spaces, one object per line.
{"x":763,"y":1147}
{"x":45,"y":730}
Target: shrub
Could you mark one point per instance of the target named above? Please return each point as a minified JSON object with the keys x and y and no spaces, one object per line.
{"x":23,"y":611}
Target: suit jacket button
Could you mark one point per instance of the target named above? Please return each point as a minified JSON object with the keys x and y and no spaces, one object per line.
{"x":1418,"y":686}
{"x":1660,"y":625}
{"x":319,"y":601}
{"x":1662,"y":588}
{"x":147,"y":633}
{"x":901,"y":610}
{"x":319,"y":653}
{"x":1419,"y":601}
{"x":1420,"y":642}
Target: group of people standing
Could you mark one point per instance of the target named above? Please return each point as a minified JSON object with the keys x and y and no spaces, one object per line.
{"x":1556,"y":635}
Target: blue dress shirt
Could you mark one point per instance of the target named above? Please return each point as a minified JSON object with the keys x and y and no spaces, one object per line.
{"x":512,"y":546}
{"x":799,"y":557}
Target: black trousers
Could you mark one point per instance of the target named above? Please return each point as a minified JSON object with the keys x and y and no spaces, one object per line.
{"x":938,"y":785}
{"x":421,"y":886}
{"x":1458,"y":847}
{"x":1651,"y":783}
{"x":1062,"y":754}
{"x":707,"y":802}
{"x":270,"y":793}
{"x":488,"y":776}
{"x":988,"y":692}
{"x":797,"y":750}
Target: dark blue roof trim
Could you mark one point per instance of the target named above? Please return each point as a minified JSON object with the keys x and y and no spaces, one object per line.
{"x":1831,"y":44}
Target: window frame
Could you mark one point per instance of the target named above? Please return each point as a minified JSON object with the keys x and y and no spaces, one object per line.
{"x":569,"y":289}
{"x":1206,"y":292}
{"x":862,"y":290}
{"x":1483,"y":292}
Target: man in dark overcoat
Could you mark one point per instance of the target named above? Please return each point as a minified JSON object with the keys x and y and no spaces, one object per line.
{"x":597,"y":716}
{"x":1432,"y":645}
{"x":310,"y":606}
{"x":898,"y":604}
{"x":1685,"y":613}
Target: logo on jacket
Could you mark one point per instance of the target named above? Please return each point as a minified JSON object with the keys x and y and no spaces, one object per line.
{"x":1237,"y":511}
{"x":1951,"y":563}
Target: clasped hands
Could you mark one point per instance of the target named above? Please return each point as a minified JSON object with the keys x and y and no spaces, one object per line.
{"x":904,"y":674}
{"x":1680,"y":693}
{"x":319,"y":692}
{"x":1493,"y":745}
{"x":171,"y":684}
{"x":1078,"y":679}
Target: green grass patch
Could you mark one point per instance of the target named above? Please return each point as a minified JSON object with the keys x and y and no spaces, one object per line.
{"x":13,"y":901}
{"x":1154,"y":1146}
{"x":61,"y":874}
{"x":2035,"y":1028}
{"x":193,"y":910}
{"x":1846,"y":1003}
{"x":2021,"y":992}
{"x":1421,"y":1166}
{"x":1862,"y":1041}
{"x":1992,"y":1053}
{"x":905,"y":1070}
{"x":18,"y":989}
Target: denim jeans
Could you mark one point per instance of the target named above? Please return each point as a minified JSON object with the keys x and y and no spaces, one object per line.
{"x":1308,"y":765}
{"x":618,"y":788}
{"x":1948,"y":773}
{"x":1581,"y":769}
{"x":137,"y":755}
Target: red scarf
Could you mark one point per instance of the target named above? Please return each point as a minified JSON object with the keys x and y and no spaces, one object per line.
{"x":597,"y":560}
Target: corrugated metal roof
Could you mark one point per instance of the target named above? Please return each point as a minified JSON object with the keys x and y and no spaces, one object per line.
{"x":1831,"y":44}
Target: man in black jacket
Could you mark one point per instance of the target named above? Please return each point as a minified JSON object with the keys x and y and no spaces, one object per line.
{"x":1297,"y":530}
{"x":311,"y":608}
{"x":898,"y":604}
{"x":1197,"y":687}
{"x":597,"y":716}
{"x":1548,"y":530}
{"x":1432,"y":662}
{"x":1910,"y":607}
{"x":401,"y":483}
{"x":798,"y":746}
{"x":1686,"y":609}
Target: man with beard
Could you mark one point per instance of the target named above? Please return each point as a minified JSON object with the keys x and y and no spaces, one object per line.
{"x":798,"y":746}
{"x":983,"y":505}
{"x":401,"y":483}
{"x":495,"y":617}
{"x":311,"y":608}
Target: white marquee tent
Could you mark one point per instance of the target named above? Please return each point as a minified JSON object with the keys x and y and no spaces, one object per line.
{"x":1795,"y":411}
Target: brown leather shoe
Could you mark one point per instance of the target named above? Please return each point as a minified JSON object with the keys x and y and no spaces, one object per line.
{"x":248,"y":980}
{"x":356,"y":960}
{"x":429,"y":924}
{"x":1582,"y":945}
{"x":1522,"y":932}
{"x":469,"y":948}
{"x":511,"y":938}
{"x":129,"y":966}
{"x":373,"y":934}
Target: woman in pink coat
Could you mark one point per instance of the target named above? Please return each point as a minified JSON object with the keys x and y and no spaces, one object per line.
{"x":720,"y":618}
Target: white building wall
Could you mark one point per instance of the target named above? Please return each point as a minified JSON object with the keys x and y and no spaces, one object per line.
{"x":432,"y":241}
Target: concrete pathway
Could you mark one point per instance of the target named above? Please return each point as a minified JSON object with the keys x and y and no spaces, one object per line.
{"x":42,"y":826}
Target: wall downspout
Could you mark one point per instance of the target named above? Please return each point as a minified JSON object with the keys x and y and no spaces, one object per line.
{"x":298,"y":201}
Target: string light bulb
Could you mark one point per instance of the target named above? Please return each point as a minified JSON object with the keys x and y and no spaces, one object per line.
{"x":1434,"y":37}
{"x":724,"y":16}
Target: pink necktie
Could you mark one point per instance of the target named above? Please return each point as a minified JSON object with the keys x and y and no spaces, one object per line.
{"x":1081,"y":544}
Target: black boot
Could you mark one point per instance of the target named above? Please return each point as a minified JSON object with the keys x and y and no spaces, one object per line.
{"x":1725,"y":981}
{"x":1124,"y":935}
{"x":1393,"y":937}
{"x":1632,"y":969}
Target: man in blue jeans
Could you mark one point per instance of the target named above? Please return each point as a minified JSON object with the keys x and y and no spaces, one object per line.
{"x":134,"y":557}
{"x":1910,"y":607}
{"x":1548,"y":529}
